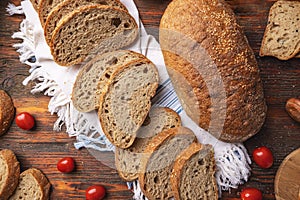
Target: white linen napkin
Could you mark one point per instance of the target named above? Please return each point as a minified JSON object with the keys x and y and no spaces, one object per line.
{"x":56,"y":81}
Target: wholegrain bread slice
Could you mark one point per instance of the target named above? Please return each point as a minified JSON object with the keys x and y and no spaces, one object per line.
{"x":33,"y":185}
{"x":156,"y":168}
{"x":89,"y":30}
{"x":9,"y":173}
{"x":35,"y":4}
{"x":282,"y":34}
{"x":126,"y":102}
{"x":45,"y":7}
{"x":193,"y":174}
{"x":86,"y":89}
{"x":7,"y":112}
{"x":66,"y":7}
{"x":128,"y":161}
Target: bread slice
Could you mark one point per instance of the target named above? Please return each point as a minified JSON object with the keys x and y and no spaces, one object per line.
{"x":85,"y":95}
{"x":91,"y":29}
{"x":126,"y":103}
{"x":193,"y":174}
{"x":67,"y":6}
{"x":35,"y":4}
{"x":45,"y":7}
{"x":9,"y":173}
{"x":7,"y":112}
{"x":156,"y":168}
{"x":282,"y":35}
{"x":128,"y":160}
{"x":33,"y":185}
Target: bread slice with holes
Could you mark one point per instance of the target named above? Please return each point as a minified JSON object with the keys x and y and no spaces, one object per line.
{"x":33,"y":185}
{"x":282,"y":35}
{"x":157,"y":168}
{"x":45,"y":7}
{"x":9,"y":173}
{"x":128,"y":161}
{"x":68,"y":6}
{"x":35,"y":4}
{"x":89,"y":30}
{"x":193,"y":172}
{"x":127,"y":101}
{"x":86,"y":89}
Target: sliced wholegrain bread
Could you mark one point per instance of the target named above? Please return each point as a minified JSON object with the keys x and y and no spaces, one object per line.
{"x":66,"y":7}
{"x":85,"y":94}
{"x":45,"y":7}
{"x":89,"y":30}
{"x":35,"y":4}
{"x":193,"y":174}
{"x":127,"y":101}
{"x":9,"y":173}
{"x":128,"y":161}
{"x":282,"y":34}
{"x":33,"y":185}
{"x":157,"y":168}
{"x":7,"y":112}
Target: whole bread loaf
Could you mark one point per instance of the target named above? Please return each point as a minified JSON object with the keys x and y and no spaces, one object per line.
{"x":128,"y":161}
{"x":156,"y":168}
{"x":33,"y":185}
{"x":9,"y":173}
{"x":127,"y":101}
{"x":89,"y":30}
{"x":93,"y":79}
{"x":66,"y":7}
{"x":193,"y":174}
{"x":7,"y":112}
{"x":212,"y":68}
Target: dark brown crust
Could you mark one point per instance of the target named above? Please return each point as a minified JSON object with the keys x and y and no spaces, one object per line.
{"x":209,"y":36}
{"x":154,"y":144}
{"x":7,"y":112}
{"x":13,"y":173}
{"x":180,"y":162}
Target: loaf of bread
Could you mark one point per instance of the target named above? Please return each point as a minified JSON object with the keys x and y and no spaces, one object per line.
{"x":7,"y":112}
{"x":212,"y":68}
{"x":157,"y":167}
{"x":282,"y":35}
{"x":127,"y":101}
{"x":93,"y":78}
{"x":91,"y":29}
{"x":9,"y":173}
{"x":193,"y":174}
{"x":33,"y":185}
{"x":67,"y":6}
{"x":128,"y":161}
{"x":45,"y":7}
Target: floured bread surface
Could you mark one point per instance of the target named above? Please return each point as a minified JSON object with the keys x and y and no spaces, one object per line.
{"x":125,"y":105}
{"x":193,"y":174}
{"x":85,"y":97}
{"x":282,"y":34}
{"x":157,"y":168}
{"x":33,"y":185}
{"x":128,"y":161}
{"x":68,"y":6}
{"x":45,"y":7}
{"x":9,"y":173}
{"x":91,"y":29}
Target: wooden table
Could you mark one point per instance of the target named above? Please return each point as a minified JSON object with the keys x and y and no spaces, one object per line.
{"x":42,"y":148}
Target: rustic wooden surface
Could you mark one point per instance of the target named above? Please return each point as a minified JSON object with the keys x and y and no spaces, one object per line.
{"x":42,"y":147}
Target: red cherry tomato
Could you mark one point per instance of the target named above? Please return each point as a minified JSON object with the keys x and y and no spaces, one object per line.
{"x":25,"y":121}
{"x":251,"y":194}
{"x":66,"y":165}
{"x":95,"y":192}
{"x":263,"y":157}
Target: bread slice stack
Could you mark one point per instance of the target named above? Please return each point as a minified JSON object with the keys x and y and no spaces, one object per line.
{"x":75,"y":30}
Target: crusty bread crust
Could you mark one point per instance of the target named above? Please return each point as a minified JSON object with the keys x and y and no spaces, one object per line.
{"x":179,"y":164}
{"x":12,"y":174}
{"x":40,"y":178}
{"x":213,"y":69}
{"x":67,"y":6}
{"x":7,"y":112}
{"x":124,"y":34}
